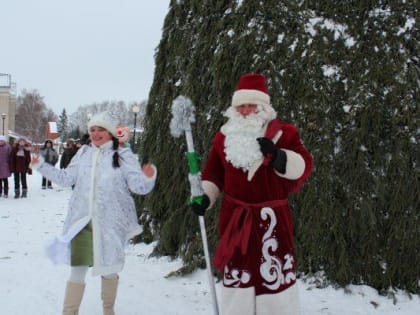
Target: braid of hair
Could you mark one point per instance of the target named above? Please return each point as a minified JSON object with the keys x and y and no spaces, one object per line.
{"x":116,"y":156}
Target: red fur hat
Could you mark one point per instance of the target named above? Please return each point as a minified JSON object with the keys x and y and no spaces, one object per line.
{"x":251,"y":89}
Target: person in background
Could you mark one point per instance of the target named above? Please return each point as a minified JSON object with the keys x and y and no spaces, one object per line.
{"x":68,"y":153}
{"x":51,"y":157}
{"x":257,"y":161}
{"x":77,"y":144}
{"x":20,"y":158}
{"x":85,"y":139}
{"x":101,"y":216}
{"x":5,"y":151}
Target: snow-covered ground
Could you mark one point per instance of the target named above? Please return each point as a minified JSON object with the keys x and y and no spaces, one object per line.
{"x":30,"y":284}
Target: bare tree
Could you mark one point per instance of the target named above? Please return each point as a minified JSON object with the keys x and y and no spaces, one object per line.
{"x":32,"y":115}
{"x":119,"y":109}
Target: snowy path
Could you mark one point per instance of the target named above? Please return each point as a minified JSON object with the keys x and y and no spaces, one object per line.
{"x":30,"y":284}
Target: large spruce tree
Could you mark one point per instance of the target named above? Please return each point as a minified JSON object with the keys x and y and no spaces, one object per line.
{"x":347,"y":74}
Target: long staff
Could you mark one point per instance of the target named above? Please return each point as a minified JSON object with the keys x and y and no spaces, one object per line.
{"x":182,"y":117}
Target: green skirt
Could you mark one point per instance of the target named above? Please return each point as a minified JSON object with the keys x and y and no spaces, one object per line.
{"x":82,"y":247}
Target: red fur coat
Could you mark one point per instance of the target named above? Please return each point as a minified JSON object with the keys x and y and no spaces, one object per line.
{"x":255,"y":225}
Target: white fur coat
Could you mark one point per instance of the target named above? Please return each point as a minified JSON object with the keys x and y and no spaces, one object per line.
{"x":102,"y":194}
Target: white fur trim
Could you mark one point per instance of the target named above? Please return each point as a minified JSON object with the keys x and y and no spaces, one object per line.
{"x":211,"y":190}
{"x":295,"y":165}
{"x":57,"y":248}
{"x":277,"y":136}
{"x":239,"y":301}
{"x":107,"y":270}
{"x":135,"y":232}
{"x":245,"y":96}
{"x":153,"y":178}
{"x":253,"y":169}
{"x":287,"y":301}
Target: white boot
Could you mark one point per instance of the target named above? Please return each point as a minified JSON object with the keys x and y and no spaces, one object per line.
{"x":73,"y":298}
{"x":109,"y":294}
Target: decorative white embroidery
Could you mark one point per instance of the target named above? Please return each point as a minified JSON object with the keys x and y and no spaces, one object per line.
{"x":270,"y":269}
{"x":235,"y":277}
{"x":288,"y":265}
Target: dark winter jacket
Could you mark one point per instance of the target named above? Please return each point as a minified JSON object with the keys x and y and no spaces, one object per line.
{"x":20,"y":159}
{"x":67,"y":156}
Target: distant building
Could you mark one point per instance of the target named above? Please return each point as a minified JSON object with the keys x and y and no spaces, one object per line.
{"x":51,"y":130}
{"x":14,"y":136}
{"x":7,"y":103}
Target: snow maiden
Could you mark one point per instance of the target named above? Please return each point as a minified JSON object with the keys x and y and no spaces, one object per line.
{"x":101,"y":216}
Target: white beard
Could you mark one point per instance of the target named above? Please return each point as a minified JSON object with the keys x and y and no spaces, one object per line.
{"x":241,"y":146}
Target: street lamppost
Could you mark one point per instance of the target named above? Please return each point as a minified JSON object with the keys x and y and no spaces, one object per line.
{"x":135,"y":109}
{"x":3,"y":116}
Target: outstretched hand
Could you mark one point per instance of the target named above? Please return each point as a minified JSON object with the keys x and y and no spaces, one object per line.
{"x":35,"y":159}
{"x":148,"y":169}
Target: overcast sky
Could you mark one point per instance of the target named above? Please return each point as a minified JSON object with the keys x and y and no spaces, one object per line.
{"x":81,"y":51}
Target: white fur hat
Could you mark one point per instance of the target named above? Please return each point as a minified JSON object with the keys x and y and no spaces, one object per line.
{"x":104,"y":120}
{"x":2,"y":138}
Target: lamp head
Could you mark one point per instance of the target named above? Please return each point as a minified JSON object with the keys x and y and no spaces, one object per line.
{"x":135,"y":109}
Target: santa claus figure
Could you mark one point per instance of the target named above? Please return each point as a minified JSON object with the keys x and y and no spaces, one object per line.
{"x":257,"y":161}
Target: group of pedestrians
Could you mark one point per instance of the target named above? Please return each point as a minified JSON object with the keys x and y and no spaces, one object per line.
{"x":15,"y":160}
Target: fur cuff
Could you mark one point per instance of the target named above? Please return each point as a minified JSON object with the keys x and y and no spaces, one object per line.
{"x":295,"y":165}
{"x":210,"y":190}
